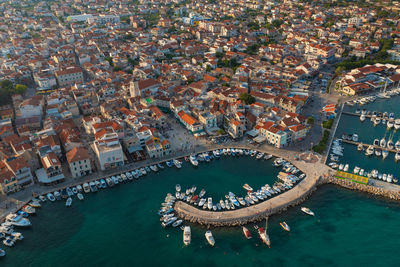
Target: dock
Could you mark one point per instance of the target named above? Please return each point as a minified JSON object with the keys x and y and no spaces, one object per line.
{"x":367,"y":145}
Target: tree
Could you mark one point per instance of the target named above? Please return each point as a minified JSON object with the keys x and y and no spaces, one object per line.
{"x":20,"y":89}
{"x":247,"y":98}
{"x":310,"y":120}
{"x":208,"y":68}
{"x":6,"y":90}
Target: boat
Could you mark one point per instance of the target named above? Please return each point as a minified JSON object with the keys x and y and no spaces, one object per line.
{"x":390,"y":144}
{"x":210,"y":238}
{"x":177,"y":223}
{"x":385,"y":153}
{"x":307,"y":211}
{"x":17,"y":220}
{"x":51,"y":197}
{"x":263,"y":235}
{"x":177,"y":163}
{"x":64,"y":193}
{"x":376,"y":142}
{"x":397,"y":124}
{"x":9,"y":241}
{"x":160,"y":166}
{"x":86,"y":188}
{"x":74,"y":190}
{"x":57,"y":195}
{"x":397,"y":156}
{"x":268,"y":157}
{"x":42,"y":198}
{"x":187,"y":236}
{"x":193,"y":160}
{"x":360,"y":147}
{"x":247,"y":187}
{"x":69,"y":191}
{"x":260,"y":155}
{"x":209,"y":203}
{"x":285,"y":226}
{"x":246,"y":232}
{"x":202,"y":193}
{"x":79,"y":188}
{"x":93,"y":187}
{"x":378,"y":152}
{"x":169,"y":163}
{"x":154,"y":168}
{"x":382,"y":143}
{"x":178,"y":188}
{"x":80,"y":196}
{"x":29,"y":209}
{"x":109,"y":182}
{"x":2,"y":253}
{"x":354,"y":137}
{"x":68,"y":202}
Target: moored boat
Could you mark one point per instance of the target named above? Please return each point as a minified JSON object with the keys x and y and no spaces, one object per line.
{"x":210,"y":238}
{"x":285,"y":226}
{"x":187,"y":236}
{"x":307,"y":211}
{"x":246,"y":232}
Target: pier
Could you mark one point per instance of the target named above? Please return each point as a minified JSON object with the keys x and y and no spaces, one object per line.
{"x":259,"y":211}
{"x":367,"y":145}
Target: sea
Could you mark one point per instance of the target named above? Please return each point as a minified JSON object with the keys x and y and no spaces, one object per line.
{"x":119,"y":226}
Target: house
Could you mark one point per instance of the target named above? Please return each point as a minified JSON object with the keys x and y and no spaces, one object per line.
{"x":51,"y":173}
{"x":21,"y":171}
{"x":79,"y":162}
{"x":142,"y":87}
{"x":235,"y":128}
{"x":108,"y":150}
{"x":157,"y":148}
{"x":69,"y":76}
{"x":190,"y":123}
{"x":8,"y":181}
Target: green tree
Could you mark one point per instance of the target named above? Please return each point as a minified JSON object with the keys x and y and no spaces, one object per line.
{"x":247,"y":98}
{"x":20,"y":89}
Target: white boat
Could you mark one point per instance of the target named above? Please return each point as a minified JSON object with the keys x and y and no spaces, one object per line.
{"x":79,"y":188}
{"x":209,"y":203}
{"x":17,"y":220}
{"x":210,"y":238}
{"x":397,"y":156}
{"x":360,"y":147}
{"x":385,"y":153}
{"x":362,"y":117}
{"x":341,"y":166}
{"x":177,"y":223}
{"x":178,"y":188}
{"x":193,"y":160}
{"x":356,"y":170}
{"x":307,"y":211}
{"x":68,"y":202}
{"x":86,"y":188}
{"x":2,"y":253}
{"x":51,"y":197}
{"x":187,"y":235}
{"x":354,"y":137}
{"x":154,"y":168}
{"x":177,"y":163}
{"x":382,"y":143}
{"x":80,"y":196}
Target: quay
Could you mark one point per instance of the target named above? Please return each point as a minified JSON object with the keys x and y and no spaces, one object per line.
{"x":355,"y":114}
{"x":367,"y":145}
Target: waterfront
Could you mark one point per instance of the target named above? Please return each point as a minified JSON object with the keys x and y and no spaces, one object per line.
{"x":119,"y":226}
{"x":367,"y":133}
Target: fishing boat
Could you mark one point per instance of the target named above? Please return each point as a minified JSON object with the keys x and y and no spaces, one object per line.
{"x":210,"y":238}
{"x":247,"y":187}
{"x":187,"y":236}
{"x":68,"y":202}
{"x":80,"y":196}
{"x":246,"y":232}
{"x":307,"y":211}
{"x":285,"y":226}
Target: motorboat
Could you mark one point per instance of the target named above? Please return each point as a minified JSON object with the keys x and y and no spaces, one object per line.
{"x":377,"y":121}
{"x":86,"y":188}
{"x":103,"y":183}
{"x":397,"y":124}
{"x":362,"y":117}
{"x":356,"y":170}
{"x":376,"y":142}
{"x":260,"y":155}
{"x":80,"y":196}
{"x":307,"y":211}
{"x":360,"y":147}
{"x":74,"y":190}
{"x":17,"y":220}
{"x":247,"y":187}
{"x":69,"y":191}
{"x":202,"y":193}
{"x":193,"y":160}
{"x":177,"y":223}
{"x":42,"y":198}
{"x":64,"y":193}
{"x":210,"y":238}
{"x":57,"y":195}
{"x":382,"y":143}
{"x":154,"y":168}
{"x":68,"y":203}
{"x":93,"y":187}
{"x":209,"y":203}
{"x":177,"y":163}
{"x":263,"y":236}
{"x":390,"y":144}
{"x":378,"y":152}
{"x":98,"y":184}
{"x":2,"y":253}
{"x":9,"y":241}
{"x":187,"y":235}
{"x":29,"y":209}
{"x":178,"y":188}
{"x":79,"y":188}
{"x":109,"y":182}
{"x":268,"y":157}
{"x":246,"y":232}
{"x":390,"y":124}
{"x":341,"y":166}
{"x":160,"y":166}
{"x":285,"y":226}
{"x":354,"y":137}
{"x":51,"y":197}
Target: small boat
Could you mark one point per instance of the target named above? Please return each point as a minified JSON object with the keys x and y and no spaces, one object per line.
{"x":160,"y":166}
{"x":74,"y":190}
{"x":169,"y":163}
{"x":246,"y":232}
{"x":360,"y":147}
{"x":193,"y":160}
{"x":86,"y":188}
{"x":80,"y":196}
{"x":202,"y":193}
{"x":177,"y":163}
{"x":177,"y":223}
{"x":51,"y":197}
{"x":69,"y":192}
{"x":93,"y":187}
{"x":68,"y":202}
{"x":178,"y":188}
{"x":57,"y":195}
{"x":210,"y":238}
{"x":285,"y":226}
{"x":2,"y":253}
{"x":42,"y":198}
{"x":385,"y":153}
{"x":247,"y":187}
{"x":79,"y":188}
{"x":382,"y":143}
{"x":307,"y":211}
{"x":17,"y":220}
{"x":109,"y":182}
{"x":154,"y":168}
{"x":263,"y":236}
{"x":29,"y":209}
{"x":187,"y":236}
{"x":9,"y":241}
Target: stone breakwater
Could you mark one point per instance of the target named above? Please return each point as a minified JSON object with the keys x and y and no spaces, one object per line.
{"x":378,"y":191}
{"x":243,"y":216}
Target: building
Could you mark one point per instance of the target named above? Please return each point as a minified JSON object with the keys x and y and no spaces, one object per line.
{"x":190,"y":123}
{"x":69,"y":76}
{"x":109,"y":151}
{"x":21,"y":171}
{"x":79,"y":162}
{"x":8,"y":182}
{"x":51,"y":173}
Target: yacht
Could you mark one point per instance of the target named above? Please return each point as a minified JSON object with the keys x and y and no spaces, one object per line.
{"x":17,"y":220}
{"x":210,"y":238}
{"x":246,"y":232}
{"x":68,"y":202}
{"x":285,"y":226}
{"x":307,"y":211}
{"x":209,"y":203}
{"x":382,"y":143}
{"x":187,"y":236}
{"x":385,"y":153}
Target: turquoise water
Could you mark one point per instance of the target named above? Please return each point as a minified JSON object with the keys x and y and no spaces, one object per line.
{"x":119,"y":226}
{"x":367,"y":133}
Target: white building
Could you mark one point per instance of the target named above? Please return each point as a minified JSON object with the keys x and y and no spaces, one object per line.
{"x":109,"y":151}
{"x":69,"y":76}
{"x":79,"y":162}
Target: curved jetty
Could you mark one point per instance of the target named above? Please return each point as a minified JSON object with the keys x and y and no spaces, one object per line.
{"x":256,"y":212}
